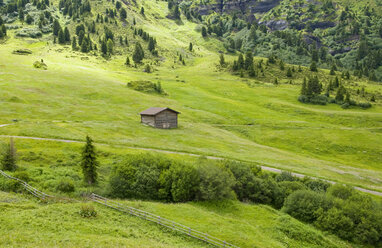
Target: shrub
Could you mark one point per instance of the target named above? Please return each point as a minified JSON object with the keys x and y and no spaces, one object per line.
{"x":88,"y":211}
{"x":138,"y":177}
{"x":146,"y":86}
{"x":364,"y":105}
{"x":40,"y":65}
{"x":341,"y":191}
{"x":319,"y":100}
{"x":66,"y":186}
{"x":336,"y":222}
{"x":244,"y":179}
{"x":8,"y":161}
{"x":304,"y":204}
{"x":121,"y":181}
{"x":289,"y":187}
{"x":180,"y":183}
{"x":9,"y":185}
{"x":266,"y":191}
{"x":215,"y":183}
{"x":317,"y":185}
{"x":22,"y":175}
{"x":285,"y":176}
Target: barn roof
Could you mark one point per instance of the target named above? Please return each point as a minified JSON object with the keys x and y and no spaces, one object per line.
{"x":156,"y":110}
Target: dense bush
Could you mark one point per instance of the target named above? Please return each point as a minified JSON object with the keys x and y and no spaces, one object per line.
{"x":180,"y":183}
{"x":22,"y":175}
{"x":88,"y":211}
{"x":215,"y":183}
{"x":9,"y":185}
{"x":334,"y":208}
{"x":244,"y":185}
{"x":304,"y":204}
{"x":66,"y":186}
{"x":317,"y":185}
{"x":342,"y":211}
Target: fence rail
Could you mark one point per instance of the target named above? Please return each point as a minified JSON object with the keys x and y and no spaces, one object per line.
{"x":136,"y":212}
{"x":161,"y":221}
{"x":27,"y":187}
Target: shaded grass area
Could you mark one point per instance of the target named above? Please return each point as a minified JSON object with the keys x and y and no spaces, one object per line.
{"x":31,"y":224}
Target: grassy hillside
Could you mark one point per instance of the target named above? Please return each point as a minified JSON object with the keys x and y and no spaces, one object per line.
{"x":28,"y":223}
{"x":221,"y":114}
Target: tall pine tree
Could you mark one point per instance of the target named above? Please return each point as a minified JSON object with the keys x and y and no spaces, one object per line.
{"x":89,"y":162}
{"x":8,"y":161}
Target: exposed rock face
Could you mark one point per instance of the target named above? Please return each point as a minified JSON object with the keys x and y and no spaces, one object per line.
{"x":277,"y":24}
{"x":241,"y":6}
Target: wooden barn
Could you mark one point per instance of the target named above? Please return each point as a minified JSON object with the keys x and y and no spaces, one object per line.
{"x":160,"y":117}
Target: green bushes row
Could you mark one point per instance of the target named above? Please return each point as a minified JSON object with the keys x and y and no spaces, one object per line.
{"x":156,"y":178}
{"x":334,"y":208}
{"x":342,"y":211}
{"x":152,"y":177}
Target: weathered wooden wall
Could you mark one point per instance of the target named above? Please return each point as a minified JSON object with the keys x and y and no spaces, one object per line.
{"x":148,"y":120}
{"x":166,"y":119}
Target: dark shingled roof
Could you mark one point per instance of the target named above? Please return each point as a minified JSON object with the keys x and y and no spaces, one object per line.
{"x":156,"y":110}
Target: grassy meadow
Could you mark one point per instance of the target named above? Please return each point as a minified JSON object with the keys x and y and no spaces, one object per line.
{"x":28,"y":223}
{"x":221,"y":114}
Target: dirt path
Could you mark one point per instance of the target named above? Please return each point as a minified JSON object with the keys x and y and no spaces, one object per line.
{"x":265,"y":168}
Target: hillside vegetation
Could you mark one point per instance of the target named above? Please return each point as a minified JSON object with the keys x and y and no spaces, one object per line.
{"x":293,"y":85}
{"x":35,"y":224}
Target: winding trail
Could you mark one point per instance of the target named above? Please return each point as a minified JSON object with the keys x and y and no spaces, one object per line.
{"x":265,"y":168}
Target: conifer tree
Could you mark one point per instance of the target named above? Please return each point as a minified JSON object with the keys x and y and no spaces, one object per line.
{"x":289,"y":72}
{"x":304,"y":91}
{"x":248,"y":60}
{"x":282,"y":66}
{"x":340,"y":94}
{"x":176,"y":12}
{"x":109,"y":46}
{"x":61,"y":37}
{"x":204,"y":31}
{"x":67,"y":34}
{"x":333,"y":70}
{"x":103,"y":47}
{"x":123,"y":14}
{"x":142,"y":11}
{"x":190,"y":47}
{"x":313,"y":66}
{"x":8,"y":161}
{"x":138,"y":54}
{"x":251,"y":71}
{"x":240,"y":61}
{"x":151,"y":46}
{"x":56,"y":27}
{"x":222,"y":60}
{"x":127,"y":60}
{"x":89,"y":162}
{"x":347,"y":98}
{"x":74,"y":43}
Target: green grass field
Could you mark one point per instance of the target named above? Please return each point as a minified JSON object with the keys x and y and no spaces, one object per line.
{"x":27,"y":223}
{"x":220,"y":114}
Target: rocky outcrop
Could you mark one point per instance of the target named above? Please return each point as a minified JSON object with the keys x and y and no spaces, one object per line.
{"x":277,"y":24}
{"x":238,"y":6}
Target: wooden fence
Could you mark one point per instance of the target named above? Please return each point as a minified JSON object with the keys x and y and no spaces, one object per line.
{"x":161,"y":221}
{"x":133,"y":211}
{"x":27,"y":187}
